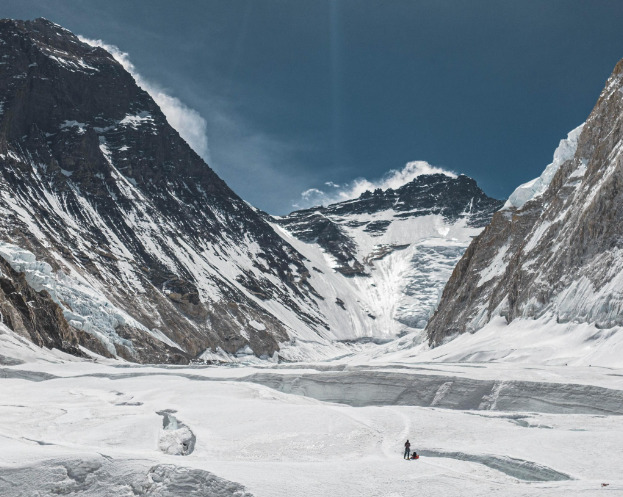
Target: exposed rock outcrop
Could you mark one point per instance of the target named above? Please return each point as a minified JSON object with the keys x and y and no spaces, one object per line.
{"x":35,"y":315}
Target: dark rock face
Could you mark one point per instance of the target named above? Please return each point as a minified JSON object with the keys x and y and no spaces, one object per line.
{"x":560,"y":254}
{"x":94,"y":181}
{"x":433,"y":194}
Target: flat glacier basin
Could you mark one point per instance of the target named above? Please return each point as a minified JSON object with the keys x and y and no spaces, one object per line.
{"x":310,"y":430}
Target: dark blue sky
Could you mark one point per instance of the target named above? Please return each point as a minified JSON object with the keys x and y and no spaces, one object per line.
{"x":299,"y":93}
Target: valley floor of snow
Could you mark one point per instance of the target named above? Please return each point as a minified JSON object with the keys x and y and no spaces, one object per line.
{"x":105,"y":428}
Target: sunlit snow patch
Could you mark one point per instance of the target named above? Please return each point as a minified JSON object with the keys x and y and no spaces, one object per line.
{"x":532,"y":189}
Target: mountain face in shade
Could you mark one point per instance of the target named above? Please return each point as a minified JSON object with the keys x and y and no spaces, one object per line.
{"x":556,"y":249}
{"x":99,"y":188}
{"x":395,"y":249}
{"x":137,"y":249}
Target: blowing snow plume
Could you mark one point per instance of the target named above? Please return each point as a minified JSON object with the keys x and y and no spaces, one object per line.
{"x":394,"y":178}
{"x":188,"y":122}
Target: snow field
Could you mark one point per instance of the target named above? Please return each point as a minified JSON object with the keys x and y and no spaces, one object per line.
{"x":279,"y":444}
{"x":543,"y":341}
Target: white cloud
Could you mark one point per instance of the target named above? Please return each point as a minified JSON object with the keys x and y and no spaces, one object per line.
{"x":188,"y":122}
{"x":311,"y":193}
{"x":394,"y":178}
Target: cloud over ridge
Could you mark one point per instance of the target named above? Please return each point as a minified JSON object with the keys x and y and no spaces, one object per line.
{"x":188,"y":122}
{"x":394,"y":178}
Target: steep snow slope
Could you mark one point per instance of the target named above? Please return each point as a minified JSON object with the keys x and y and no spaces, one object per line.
{"x":559,"y":255}
{"x":98,"y":190}
{"x":389,"y":253}
{"x":533,"y":189}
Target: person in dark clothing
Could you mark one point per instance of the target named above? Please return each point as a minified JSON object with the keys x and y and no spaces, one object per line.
{"x":407,"y":450}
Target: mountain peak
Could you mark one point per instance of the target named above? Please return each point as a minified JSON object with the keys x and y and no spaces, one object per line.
{"x":437,"y":193}
{"x":95,"y":183}
{"x":450,"y":197}
{"x":396,"y":247}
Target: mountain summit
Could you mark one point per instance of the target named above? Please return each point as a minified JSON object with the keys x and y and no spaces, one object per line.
{"x":394,"y":248}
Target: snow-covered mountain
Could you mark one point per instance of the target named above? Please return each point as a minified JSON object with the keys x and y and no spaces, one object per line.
{"x":151,"y":257}
{"x":555,"y":252}
{"x":130,"y":232}
{"x":389,"y":253}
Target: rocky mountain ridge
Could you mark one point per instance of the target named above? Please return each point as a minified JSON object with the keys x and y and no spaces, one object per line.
{"x":555,"y":251}
{"x":449,"y":196}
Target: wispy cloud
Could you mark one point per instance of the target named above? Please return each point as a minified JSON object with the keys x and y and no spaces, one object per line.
{"x":245,"y":156}
{"x":245,"y":152}
{"x":394,"y":178}
{"x":188,"y":122}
